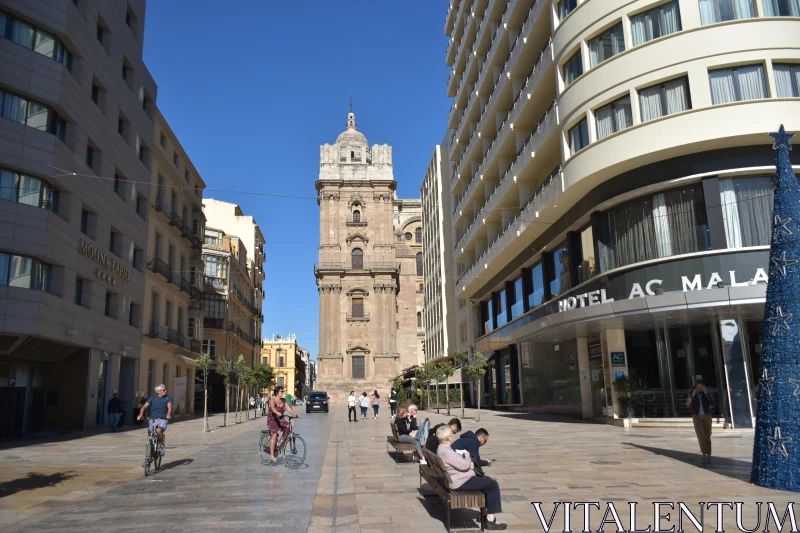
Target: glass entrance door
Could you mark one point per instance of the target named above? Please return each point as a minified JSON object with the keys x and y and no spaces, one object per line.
{"x":597,"y":377}
{"x":691,"y":353}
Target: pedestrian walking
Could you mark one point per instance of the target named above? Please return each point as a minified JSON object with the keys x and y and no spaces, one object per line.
{"x":114,"y":409}
{"x":393,"y":402}
{"x":264,"y":403}
{"x":701,"y":418}
{"x":364,"y":405}
{"x":252,"y":403}
{"x":351,"y":407}
{"x":376,"y":401}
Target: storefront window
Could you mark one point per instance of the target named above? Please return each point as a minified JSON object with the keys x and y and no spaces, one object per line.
{"x":560,"y":282}
{"x":746,"y":210}
{"x":516,"y":299}
{"x":535,"y":286}
{"x":664,"y":224}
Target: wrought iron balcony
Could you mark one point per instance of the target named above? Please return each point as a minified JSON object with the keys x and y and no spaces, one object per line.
{"x":159,"y":331}
{"x":159,"y":267}
{"x":163,"y":207}
{"x":176,"y":220}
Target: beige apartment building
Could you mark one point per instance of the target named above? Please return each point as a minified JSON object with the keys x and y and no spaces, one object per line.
{"x":76,"y":121}
{"x":369,"y":273}
{"x":173,"y":319}
{"x":233,"y":257}
{"x":438,"y":318}
{"x":611,"y":195}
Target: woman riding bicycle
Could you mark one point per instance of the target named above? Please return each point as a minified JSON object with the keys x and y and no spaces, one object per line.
{"x":276,"y":423}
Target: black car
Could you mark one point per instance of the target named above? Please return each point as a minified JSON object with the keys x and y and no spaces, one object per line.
{"x":317,"y":401}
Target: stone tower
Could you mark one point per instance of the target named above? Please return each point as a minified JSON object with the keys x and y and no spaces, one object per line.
{"x":358,"y":273}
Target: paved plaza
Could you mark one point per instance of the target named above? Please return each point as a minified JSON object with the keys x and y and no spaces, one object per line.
{"x":215,"y":482}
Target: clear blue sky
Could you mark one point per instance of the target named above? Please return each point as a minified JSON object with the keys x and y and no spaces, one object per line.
{"x":254,"y":89}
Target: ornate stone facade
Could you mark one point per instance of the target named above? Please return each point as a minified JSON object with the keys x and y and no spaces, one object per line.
{"x":366,"y":274}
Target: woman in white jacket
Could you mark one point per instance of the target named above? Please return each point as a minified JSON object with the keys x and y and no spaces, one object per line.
{"x":364,"y":403}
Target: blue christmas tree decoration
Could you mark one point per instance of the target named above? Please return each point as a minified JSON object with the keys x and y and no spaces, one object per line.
{"x":776,"y":450}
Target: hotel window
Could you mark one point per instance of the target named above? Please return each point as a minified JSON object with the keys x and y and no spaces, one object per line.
{"x":175,"y":160}
{"x":578,"y":137}
{"x":79,"y":286}
{"x":163,"y":141}
{"x":134,"y":315}
{"x":28,"y":190}
{"x":114,"y":242}
{"x":737,"y":84}
{"x":606,"y":45}
{"x":31,"y":113}
{"x":209,"y":347}
{"x":535,"y":286}
{"x":572,"y":68}
{"x":419,"y":264}
{"x":655,"y":226}
{"x":89,"y":156}
{"x":109,"y":308}
{"x":358,"y":307}
{"x":560,"y":282}
{"x":516,"y":298}
{"x":657,"y":22}
{"x":565,"y":7}
{"x":712,"y":11}
{"x":664,"y":99}
{"x":24,"y":272}
{"x":357,"y":259}
{"x":358,"y":367}
{"x":614,"y":117}
{"x":500,"y":317}
{"x":787,"y":80}
{"x":35,"y":39}
{"x":746,"y":210}
{"x":781,"y":8}
{"x":587,"y":267}
{"x":95,"y":94}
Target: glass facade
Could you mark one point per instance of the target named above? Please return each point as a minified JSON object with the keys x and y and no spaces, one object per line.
{"x":559,"y":281}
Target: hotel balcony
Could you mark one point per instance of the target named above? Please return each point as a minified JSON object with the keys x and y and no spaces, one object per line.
{"x":172,"y":336}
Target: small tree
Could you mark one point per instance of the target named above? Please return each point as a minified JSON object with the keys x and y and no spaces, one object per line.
{"x":240,"y":369}
{"x":424,"y":376}
{"x":475,"y":368}
{"x":203,"y":364}
{"x":442,"y":371}
{"x":224,"y":369}
{"x":399,"y":386}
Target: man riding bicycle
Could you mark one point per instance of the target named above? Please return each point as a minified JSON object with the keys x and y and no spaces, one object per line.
{"x":160,"y":412}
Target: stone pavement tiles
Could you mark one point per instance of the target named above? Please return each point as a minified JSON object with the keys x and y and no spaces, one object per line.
{"x":209,"y":483}
{"x":353,"y":485}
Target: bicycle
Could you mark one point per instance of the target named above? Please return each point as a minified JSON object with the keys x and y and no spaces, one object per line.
{"x":152,"y":453}
{"x":293,"y":448}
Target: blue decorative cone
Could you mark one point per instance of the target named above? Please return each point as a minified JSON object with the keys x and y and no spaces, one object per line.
{"x":776,"y":450}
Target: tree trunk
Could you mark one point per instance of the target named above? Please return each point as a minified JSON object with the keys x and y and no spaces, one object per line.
{"x":479,"y":401}
{"x":461,"y":393}
{"x":205,"y":408}
{"x":428,"y":389}
{"x":447,"y":394}
{"x":227,"y":404}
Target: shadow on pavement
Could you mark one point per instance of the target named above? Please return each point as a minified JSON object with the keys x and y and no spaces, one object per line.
{"x":460,"y":519}
{"x":34,"y":481}
{"x":536,"y":417}
{"x":733,"y":468}
{"x":173,"y":464}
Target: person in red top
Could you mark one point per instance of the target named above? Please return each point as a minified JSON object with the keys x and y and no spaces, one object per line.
{"x":275,"y":421}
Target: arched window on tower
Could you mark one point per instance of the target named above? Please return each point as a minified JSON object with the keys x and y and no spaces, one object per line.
{"x":357,"y":257}
{"x":356,"y":216}
{"x":419,"y":264}
{"x":418,"y":233}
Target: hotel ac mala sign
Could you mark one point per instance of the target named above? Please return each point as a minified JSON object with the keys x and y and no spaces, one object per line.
{"x":741,"y":269}
{"x":102,"y":259}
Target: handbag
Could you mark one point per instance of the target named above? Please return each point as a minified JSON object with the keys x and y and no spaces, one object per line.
{"x":478,"y":469}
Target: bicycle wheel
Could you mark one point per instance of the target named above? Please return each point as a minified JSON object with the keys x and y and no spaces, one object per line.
{"x":158,"y":460}
{"x":147,"y":458}
{"x":294,"y":452}
{"x":263,"y":449}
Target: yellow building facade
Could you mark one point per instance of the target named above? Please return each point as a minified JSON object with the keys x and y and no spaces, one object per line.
{"x":285,"y":357}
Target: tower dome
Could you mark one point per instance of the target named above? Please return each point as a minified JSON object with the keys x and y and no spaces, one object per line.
{"x":351,"y":135}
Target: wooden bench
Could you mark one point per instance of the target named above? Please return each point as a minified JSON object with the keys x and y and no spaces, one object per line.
{"x":435,"y":474}
{"x":393,"y":440}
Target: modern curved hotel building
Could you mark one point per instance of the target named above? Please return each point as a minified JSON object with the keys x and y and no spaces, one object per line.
{"x":611,"y":195}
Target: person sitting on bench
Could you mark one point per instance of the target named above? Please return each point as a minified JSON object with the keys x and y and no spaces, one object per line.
{"x":407,"y":430}
{"x":461,"y":470}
